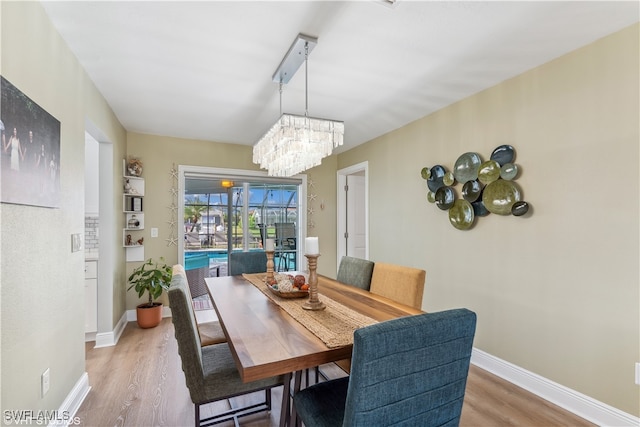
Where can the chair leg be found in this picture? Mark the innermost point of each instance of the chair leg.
(267, 398)
(197, 411)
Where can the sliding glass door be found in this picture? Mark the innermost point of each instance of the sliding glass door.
(224, 211)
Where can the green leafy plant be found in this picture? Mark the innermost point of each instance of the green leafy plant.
(151, 277)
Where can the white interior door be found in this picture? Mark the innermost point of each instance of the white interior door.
(353, 212)
(356, 233)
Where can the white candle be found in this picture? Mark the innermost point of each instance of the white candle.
(311, 246)
(269, 245)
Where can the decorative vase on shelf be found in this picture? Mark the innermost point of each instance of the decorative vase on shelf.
(133, 222)
(134, 167)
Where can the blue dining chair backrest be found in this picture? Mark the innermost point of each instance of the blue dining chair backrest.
(355, 272)
(247, 262)
(410, 371)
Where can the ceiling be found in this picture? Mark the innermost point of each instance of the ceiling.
(203, 69)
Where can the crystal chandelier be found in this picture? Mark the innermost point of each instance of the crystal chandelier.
(296, 143)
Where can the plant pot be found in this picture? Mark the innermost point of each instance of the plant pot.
(149, 317)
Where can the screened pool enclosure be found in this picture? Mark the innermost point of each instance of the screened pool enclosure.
(224, 214)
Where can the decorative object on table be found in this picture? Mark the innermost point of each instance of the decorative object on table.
(150, 278)
(134, 166)
(289, 286)
(487, 187)
(23, 125)
(312, 252)
(296, 143)
(269, 248)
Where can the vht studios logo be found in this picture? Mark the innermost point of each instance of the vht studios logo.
(41, 418)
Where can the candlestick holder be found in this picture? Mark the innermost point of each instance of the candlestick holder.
(313, 303)
(270, 277)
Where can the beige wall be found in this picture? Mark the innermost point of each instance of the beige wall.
(160, 154)
(42, 282)
(556, 293)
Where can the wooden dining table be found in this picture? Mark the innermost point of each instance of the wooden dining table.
(267, 341)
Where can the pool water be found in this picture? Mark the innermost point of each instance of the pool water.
(215, 255)
(197, 259)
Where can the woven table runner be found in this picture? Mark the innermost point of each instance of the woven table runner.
(334, 325)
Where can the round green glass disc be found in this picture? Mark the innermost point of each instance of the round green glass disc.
(466, 167)
(499, 196)
(425, 173)
(508, 171)
(448, 178)
(461, 214)
(489, 171)
(431, 197)
(445, 197)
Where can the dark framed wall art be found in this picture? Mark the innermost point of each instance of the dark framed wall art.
(30, 152)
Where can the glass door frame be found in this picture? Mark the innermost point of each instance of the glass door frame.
(242, 174)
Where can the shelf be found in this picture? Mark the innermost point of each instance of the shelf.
(133, 209)
(132, 203)
(135, 253)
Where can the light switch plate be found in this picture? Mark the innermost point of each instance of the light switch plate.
(45, 382)
(154, 232)
(76, 242)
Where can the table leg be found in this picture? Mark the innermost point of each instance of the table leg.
(285, 410)
(296, 388)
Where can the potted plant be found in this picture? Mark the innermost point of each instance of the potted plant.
(153, 278)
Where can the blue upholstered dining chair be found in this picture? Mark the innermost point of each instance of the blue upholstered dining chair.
(355, 272)
(247, 262)
(410, 371)
(210, 372)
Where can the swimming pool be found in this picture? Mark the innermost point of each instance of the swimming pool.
(197, 258)
(215, 255)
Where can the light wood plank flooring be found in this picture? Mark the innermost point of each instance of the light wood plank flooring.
(139, 382)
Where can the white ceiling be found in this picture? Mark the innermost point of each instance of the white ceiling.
(203, 69)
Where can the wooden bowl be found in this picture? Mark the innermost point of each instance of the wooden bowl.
(293, 294)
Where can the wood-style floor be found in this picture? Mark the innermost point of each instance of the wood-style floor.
(139, 382)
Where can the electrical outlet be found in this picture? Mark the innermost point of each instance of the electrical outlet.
(638, 373)
(45, 382)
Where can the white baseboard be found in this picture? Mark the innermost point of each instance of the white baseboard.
(72, 403)
(107, 339)
(582, 405)
(89, 336)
